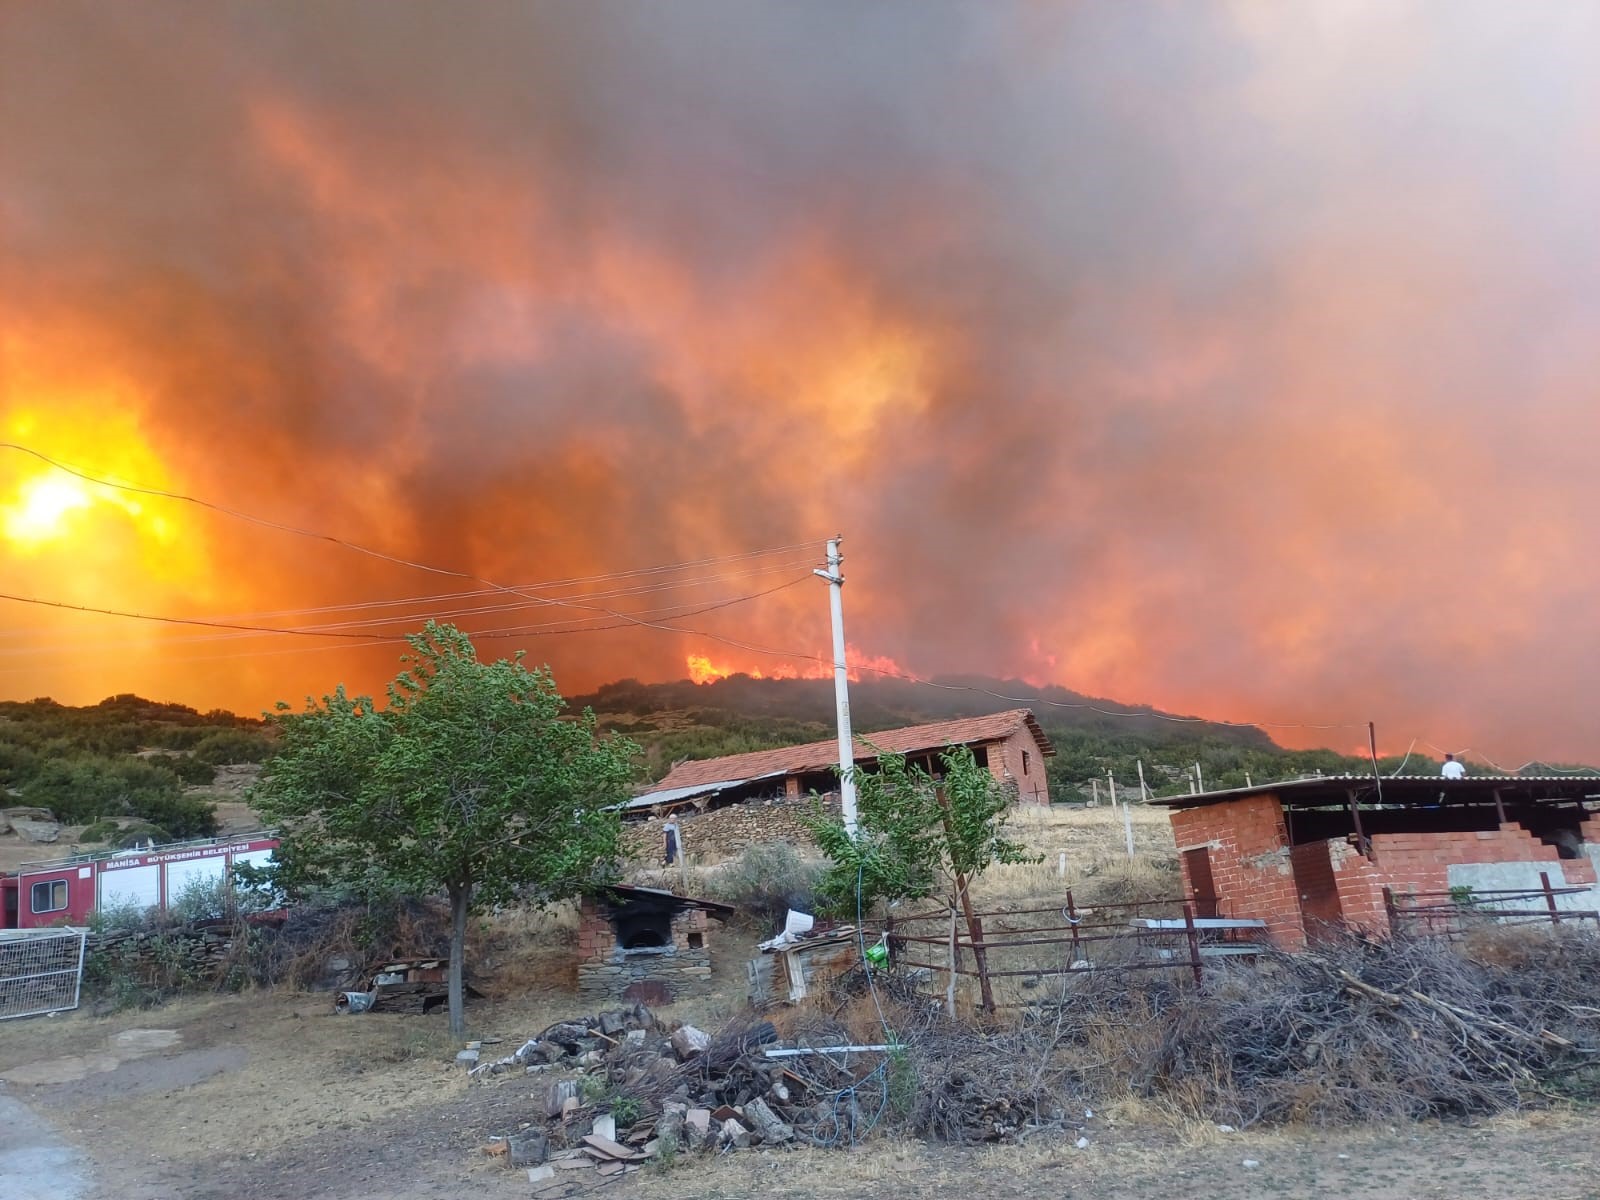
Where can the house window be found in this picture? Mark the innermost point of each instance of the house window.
(49, 896)
(1024, 762)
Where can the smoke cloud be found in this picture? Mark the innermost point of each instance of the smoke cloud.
(1235, 358)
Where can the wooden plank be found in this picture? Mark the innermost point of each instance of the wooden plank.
(610, 1149)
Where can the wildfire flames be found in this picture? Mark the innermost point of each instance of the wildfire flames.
(1177, 369)
(702, 668)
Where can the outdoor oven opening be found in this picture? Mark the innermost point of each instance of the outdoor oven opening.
(643, 930)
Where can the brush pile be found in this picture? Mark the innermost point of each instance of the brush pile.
(624, 1088)
(1353, 1033)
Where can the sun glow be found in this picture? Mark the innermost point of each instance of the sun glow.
(72, 531)
(42, 508)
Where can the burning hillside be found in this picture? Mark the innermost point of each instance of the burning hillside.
(1126, 350)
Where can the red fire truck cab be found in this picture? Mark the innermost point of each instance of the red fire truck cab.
(67, 891)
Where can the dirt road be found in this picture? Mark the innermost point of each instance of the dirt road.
(36, 1163)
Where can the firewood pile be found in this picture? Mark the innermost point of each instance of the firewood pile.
(407, 985)
(625, 1089)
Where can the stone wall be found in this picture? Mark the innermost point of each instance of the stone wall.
(650, 974)
(721, 833)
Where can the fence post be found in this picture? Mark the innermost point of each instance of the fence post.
(888, 938)
(1391, 910)
(1549, 897)
(1072, 920)
(980, 955)
(1194, 939)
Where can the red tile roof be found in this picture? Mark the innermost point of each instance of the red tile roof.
(820, 756)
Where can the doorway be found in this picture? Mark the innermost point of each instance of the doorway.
(1202, 888)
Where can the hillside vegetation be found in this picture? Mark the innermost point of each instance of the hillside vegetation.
(125, 757)
(128, 757)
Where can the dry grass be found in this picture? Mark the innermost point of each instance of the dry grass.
(1097, 866)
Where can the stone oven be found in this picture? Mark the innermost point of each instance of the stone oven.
(644, 944)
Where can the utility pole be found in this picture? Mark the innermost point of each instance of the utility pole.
(841, 686)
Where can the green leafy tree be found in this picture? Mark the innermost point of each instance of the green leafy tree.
(471, 781)
(920, 835)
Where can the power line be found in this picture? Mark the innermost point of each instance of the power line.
(349, 545)
(394, 618)
(369, 637)
(671, 585)
(625, 618)
(266, 523)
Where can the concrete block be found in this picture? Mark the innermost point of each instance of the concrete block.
(528, 1149)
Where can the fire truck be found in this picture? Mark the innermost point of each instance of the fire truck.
(67, 891)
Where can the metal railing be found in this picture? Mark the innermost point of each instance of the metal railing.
(41, 970)
(1066, 939)
(1451, 913)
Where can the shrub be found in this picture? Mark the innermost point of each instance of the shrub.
(84, 789)
(192, 771)
(101, 831)
(230, 746)
(768, 879)
(180, 816)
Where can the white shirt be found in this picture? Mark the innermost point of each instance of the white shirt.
(1453, 770)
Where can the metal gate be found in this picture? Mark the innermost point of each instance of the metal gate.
(41, 970)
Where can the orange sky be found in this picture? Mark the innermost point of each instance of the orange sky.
(1237, 359)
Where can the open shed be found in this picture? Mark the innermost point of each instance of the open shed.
(1312, 857)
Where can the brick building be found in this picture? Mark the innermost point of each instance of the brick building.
(1312, 857)
(1011, 744)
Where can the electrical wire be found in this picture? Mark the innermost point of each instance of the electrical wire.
(37, 648)
(1404, 760)
(625, 618)
(368, 637)
(675, 585)
(143, 490)
(354, 546)
(1583, 771)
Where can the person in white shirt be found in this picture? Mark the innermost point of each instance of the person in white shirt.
(1452, 769)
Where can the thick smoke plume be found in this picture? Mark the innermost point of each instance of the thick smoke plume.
(1238, 359)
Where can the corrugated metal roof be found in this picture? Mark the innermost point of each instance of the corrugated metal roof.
(668, 795)
(812, 757)
(1398, 787)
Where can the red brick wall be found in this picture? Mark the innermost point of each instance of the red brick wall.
(1360, 886)
(1250, 862)
(1420, 862)
(597, 937)
(1005, 759)
(1257, 875)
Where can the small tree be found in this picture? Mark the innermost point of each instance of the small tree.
(919, 836)
(471, 781)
